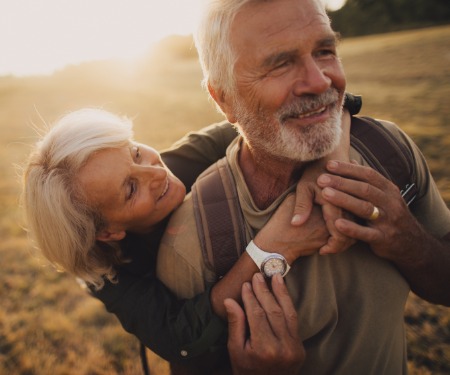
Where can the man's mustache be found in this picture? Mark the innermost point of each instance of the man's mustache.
(307, 103)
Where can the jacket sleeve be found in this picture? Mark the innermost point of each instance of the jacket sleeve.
(196, 151)
(176, 330)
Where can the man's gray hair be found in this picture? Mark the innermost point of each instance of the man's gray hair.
(212, 40)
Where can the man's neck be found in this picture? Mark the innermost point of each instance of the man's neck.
(267, 178)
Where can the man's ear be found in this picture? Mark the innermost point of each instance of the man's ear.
(107, 236)
(223, 102)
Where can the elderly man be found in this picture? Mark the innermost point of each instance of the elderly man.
(273, 70)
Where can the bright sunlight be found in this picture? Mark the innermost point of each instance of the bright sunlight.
(38, 37)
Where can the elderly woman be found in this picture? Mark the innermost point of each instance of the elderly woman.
(95, 200)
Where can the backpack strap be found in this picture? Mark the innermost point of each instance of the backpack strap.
(219, 219)
(220, 223)
(385, 153)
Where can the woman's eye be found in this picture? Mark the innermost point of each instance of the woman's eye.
(132, 189)
(137, 153)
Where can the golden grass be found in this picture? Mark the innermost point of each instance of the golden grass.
(49, 325)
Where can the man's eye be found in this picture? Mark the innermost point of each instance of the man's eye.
(326, 52)
(282, 64)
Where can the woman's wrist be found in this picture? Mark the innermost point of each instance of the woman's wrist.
(274, 247)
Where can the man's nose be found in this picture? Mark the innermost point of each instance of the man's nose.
(312, 78)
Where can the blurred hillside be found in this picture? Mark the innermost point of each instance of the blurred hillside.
(48, 325)
(364, 17)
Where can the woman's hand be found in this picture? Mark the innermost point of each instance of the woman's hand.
(309, 193)
(280, 236)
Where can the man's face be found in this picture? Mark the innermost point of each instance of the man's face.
(289, 81)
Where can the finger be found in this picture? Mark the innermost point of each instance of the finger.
(337, 242)
(358, 207)
(304, 198)
(256, 316)
(273, 311)
(359, 232)
(284, 300)
(360, 189)
(357, 172)
(236, 325)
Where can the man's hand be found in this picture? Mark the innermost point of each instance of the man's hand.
(359, 190)
(393, 233)
(272, 346)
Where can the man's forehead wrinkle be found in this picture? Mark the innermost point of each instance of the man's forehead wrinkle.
(272, 30)
(279, 52)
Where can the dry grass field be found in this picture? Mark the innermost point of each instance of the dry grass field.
(48, 325)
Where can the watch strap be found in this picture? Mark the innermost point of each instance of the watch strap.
(259, 256)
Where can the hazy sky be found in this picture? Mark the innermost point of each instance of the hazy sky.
(38, 36)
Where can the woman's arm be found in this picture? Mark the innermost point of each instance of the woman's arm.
(174, 329)
(196, 151)
(177, 329)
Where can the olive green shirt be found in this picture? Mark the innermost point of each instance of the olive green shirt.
(350, 306)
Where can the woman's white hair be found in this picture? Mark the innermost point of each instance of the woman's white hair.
(58, 219)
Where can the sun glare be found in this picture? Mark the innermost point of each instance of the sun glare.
(38, 37)
(334, 4)
(41, 36)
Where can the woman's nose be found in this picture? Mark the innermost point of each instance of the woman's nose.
(155, 176)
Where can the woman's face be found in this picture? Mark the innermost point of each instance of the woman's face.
(131, 187)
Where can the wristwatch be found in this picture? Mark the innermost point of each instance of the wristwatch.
(269, 263)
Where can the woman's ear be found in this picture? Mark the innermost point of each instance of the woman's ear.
(223, 102)
(108, 236)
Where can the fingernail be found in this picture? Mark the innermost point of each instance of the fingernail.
(278, 278)
(324, 179)
(248, 286)
(332, 165)
(260, 277)
(296, 219)
(328, 192)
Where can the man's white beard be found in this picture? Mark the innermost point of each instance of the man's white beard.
(270, 135)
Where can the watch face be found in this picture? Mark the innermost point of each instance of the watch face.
(273, 265)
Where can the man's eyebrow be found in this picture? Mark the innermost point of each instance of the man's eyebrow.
(277, 58)
(331, 40)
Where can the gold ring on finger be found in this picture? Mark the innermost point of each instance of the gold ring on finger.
(375, 213)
